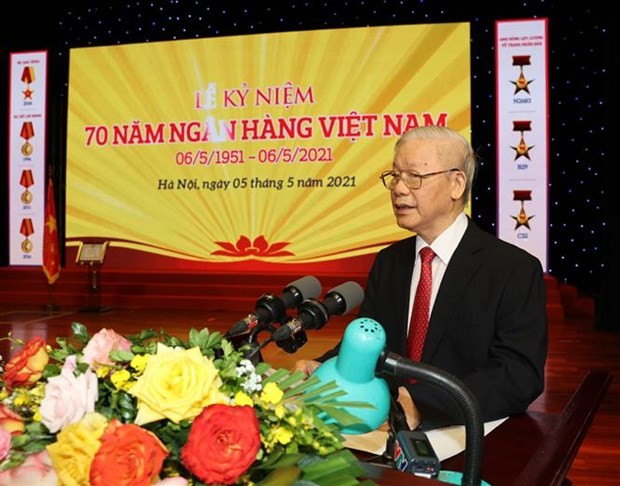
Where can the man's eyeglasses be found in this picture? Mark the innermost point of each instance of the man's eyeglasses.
(412, 180)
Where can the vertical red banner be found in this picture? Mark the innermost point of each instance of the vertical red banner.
(51, 245)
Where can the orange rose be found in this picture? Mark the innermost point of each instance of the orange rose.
(222, 443)
(10, 421)
(129, 455)
(26, 366)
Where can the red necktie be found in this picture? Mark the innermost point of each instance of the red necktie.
(421, 306)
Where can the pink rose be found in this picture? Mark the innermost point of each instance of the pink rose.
(97, 351)
(5, 443)
(68, 397)
(36, 469)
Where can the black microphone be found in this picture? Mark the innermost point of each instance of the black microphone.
(400, 367)
(270, 308)
(313, 314)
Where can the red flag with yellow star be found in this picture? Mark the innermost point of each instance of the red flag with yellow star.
(51, 245)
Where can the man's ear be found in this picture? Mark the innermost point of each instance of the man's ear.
(459, 183)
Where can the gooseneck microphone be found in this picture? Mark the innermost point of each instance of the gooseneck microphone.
(362, 360)
(400, 367)
(312, 314)
(270, 308)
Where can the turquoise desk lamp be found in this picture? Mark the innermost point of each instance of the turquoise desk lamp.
(354, 372)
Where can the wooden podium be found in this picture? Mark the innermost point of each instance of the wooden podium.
(92, 254)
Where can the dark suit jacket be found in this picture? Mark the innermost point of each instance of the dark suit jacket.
(488, 324)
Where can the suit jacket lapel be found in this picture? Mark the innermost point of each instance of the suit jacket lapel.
(402, 280)
(462, 267)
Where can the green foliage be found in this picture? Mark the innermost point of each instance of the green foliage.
(297, 445)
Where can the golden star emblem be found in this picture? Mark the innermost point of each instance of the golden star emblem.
(522, 219)
(522, 84)
(522, 150)
(51, 224)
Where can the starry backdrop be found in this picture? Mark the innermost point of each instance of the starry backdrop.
(580, 82)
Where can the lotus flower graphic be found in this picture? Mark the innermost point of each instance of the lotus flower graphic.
(259, 247)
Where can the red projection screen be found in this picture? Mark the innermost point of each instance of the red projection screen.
(255, 152)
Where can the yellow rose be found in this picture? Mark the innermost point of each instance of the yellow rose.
(75, 447)
(177, 385)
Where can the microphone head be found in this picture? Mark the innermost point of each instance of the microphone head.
(344, 298)
(301, 289)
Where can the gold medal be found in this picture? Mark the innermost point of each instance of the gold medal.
(26, 246)
(27, 149)
(26, 197)
(27, 132)
(26, 180)
(26, 229)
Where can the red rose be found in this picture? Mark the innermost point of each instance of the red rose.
(26, 366)
(128, 455)
(222, 443)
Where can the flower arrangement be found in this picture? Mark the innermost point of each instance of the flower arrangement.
(155, 409)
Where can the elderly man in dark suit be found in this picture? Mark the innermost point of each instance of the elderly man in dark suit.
(487, 321)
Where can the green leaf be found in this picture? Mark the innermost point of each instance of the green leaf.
(51, 370)
(291, 379)
(278, 460)
(175, 342)
(121, 356)
(340, 415)
(281, 477)
(301, 388)
(79, 331)
(194, 338)
(320, 390)
(36, 446)
(147, 334)
(81, 368)
(276, 376)
(262, 368)
(213, 340)
(338, 469)
(227, 346)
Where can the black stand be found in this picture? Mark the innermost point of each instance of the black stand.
(94, 290)
(51, 307)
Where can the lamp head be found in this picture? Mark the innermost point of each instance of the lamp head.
(353, 369)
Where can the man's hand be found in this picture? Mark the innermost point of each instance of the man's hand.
(411, 412)
(306, 365)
